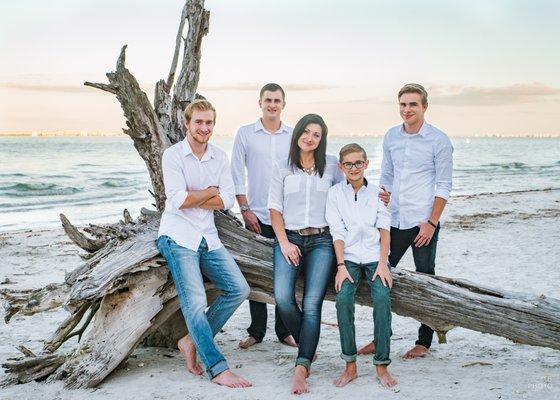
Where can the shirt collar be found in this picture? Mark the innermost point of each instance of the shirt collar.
(186, 150)
(422, 132)
(260, 127)
(365, 182)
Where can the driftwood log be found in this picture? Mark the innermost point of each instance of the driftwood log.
(122, 295)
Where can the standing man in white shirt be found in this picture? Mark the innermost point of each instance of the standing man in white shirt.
(256, 148)
(198, 181)
(417, 171)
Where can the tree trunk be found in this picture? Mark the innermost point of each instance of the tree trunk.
(124, 295)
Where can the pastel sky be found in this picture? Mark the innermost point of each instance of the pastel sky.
(490, 66)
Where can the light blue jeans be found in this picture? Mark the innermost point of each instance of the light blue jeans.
(187, 268)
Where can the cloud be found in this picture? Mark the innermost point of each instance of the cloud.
(255, 87)
(33, 87)
(79, 88)
(497, 96)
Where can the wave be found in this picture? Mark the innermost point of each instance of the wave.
(119, 183)
(514, 165)
(15, 174)
(37, 189)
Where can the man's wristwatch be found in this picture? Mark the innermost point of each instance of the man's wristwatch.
(244, 207)
(431, 223)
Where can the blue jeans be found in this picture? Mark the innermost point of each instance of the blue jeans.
(187, 267)
(317, 265)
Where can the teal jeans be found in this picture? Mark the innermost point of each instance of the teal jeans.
(345, 305)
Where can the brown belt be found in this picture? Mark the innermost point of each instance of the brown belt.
(309, 231)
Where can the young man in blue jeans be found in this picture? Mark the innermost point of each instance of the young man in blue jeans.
(198, 181)
(360, 224)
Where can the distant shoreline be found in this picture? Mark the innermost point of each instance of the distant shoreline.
(78, 134)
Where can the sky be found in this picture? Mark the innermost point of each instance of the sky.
(490, 67)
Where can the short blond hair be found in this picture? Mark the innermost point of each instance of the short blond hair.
(198, 105)
(414, 88)
(351, 148)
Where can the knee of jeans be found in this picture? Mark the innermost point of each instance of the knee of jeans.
(382, 297)
(283, 300)
(312, 305)
(244, 290)
(196, 305)
(344, 302)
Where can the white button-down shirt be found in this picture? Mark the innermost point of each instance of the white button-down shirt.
(415, 169)
(183, 171)
(355, 218)
(300, 197)
(255, 150)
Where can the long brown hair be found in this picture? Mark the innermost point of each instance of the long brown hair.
(320, 153)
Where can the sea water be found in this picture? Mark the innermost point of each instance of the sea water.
(92, 179)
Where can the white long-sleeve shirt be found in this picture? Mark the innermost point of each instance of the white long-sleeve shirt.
(183, 171)
(300, 197)
(416, 168)
(355, 218)
(255, 150)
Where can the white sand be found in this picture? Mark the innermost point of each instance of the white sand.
(508, 241)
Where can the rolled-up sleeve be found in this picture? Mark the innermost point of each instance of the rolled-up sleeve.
(226, 186)
(238, 163)
(276, 191)
(383, 216)
(173, 179)
(387, 172)
(334, 219)
(444, 168)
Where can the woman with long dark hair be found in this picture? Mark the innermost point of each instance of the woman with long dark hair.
(297, 201)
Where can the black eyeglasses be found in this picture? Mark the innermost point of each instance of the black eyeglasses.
(358, 164)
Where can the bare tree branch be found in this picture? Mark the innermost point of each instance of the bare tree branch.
(102, 86)
(171, 76)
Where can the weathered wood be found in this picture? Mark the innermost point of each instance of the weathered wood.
(79, 238)
(32, 301)
(64, 330)
(29, 369)
(178, 39)
(187, 82)
(110, 340)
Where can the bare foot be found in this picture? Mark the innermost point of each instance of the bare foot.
(229, 379)
(299, 383)
(289, 341)
(349, 374)
(385, 378)
(367, 349)
(250, 341)
(416, 352)
(186, 346)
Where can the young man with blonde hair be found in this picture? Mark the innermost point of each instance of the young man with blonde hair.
(417, 172)
(359, 223)
(198, 181)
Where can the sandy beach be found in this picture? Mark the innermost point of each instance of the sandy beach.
(506, 240)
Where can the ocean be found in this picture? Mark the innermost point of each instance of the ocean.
(92, 179)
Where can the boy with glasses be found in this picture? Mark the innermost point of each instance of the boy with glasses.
(360, 225)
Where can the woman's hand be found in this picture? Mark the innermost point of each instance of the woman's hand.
(382, 271)
(290, 252)
(341, 276)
